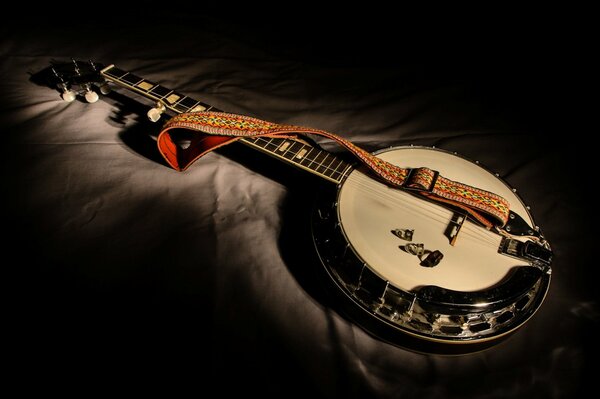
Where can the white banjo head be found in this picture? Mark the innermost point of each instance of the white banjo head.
(370, 211)
(475, 293)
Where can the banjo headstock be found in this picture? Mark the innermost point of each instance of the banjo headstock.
(76, 78)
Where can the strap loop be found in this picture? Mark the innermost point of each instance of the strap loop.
(421, 180)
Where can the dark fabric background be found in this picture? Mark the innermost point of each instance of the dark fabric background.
(124, 275)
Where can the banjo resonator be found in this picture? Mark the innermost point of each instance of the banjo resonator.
(476, 288)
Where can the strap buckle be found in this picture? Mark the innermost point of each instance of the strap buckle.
(408, 181)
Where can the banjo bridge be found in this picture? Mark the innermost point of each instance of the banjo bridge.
(528, 250)
(457, 221)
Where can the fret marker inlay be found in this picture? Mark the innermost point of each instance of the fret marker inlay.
(284, 146)
(145, 85)
(198, 108)
(301, 153)
(172, 98)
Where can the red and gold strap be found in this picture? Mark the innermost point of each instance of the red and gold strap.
(224, 128)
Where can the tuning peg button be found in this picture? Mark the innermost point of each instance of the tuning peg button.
(68, 95)
(155, 113)
(91, 96)
(105, 88)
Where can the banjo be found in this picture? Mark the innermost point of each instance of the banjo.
(402, 262)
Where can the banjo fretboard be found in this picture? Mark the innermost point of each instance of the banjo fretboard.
(295, 152)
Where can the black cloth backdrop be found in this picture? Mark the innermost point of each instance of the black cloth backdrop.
(132, 276)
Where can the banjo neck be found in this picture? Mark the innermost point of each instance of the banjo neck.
(294, 152)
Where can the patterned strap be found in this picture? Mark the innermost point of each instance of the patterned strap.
(223, 128)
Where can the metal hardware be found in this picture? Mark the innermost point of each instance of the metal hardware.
(517, 226)
(432, 259)
(429, 189)
(454, 227)
(414, 249)
(405, 234)
(529, 251)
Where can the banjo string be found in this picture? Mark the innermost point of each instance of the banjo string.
(423, 208)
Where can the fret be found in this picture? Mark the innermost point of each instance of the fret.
(300, 151)
(257, 141)
(303, 151)
(178, 106)
(318, 160)
(330, 170)
(342, 169)
(252, 140)
(309, 157)
(293, 150)
(114, 72)
(188, 102)
(347, 168)
(314, 159)
(131, 79)
(332, 167)
(325, 164)
(160, 91)
(284, 147)
(269, 145)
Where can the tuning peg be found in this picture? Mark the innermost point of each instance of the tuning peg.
(155, 113)
(67, 95)
(90, 95)
(76, 67)
(104, 88)
(103, 85)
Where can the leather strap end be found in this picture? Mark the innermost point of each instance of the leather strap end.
(180, 158)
